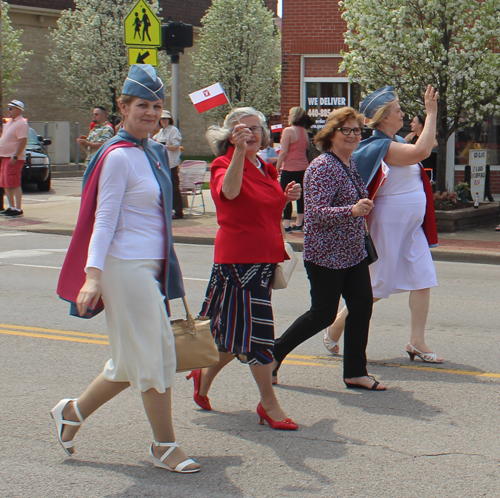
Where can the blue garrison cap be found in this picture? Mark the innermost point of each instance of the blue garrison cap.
(376, 100)
(143, 82)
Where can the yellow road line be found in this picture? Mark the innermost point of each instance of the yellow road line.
(445, 370)
(309, 364)
(292, 359)
(52, 331)
(398, 365)
(54, 337)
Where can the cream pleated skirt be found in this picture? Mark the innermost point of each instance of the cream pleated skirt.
(140, 336)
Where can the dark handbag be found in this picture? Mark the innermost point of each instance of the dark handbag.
(369, 245)
(312, 151)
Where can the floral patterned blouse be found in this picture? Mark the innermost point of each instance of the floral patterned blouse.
(333, 237)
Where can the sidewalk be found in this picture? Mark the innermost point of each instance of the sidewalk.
(56, 213)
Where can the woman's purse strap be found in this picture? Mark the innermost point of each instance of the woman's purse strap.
(189, 317)
(352, 181)
(347, 173)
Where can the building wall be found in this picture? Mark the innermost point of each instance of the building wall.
(36, 17)
(308, 28)
(40, 96)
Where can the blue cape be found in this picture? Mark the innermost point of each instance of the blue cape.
(370, 152)
(73, 272)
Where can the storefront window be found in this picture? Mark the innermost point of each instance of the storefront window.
(323, 97)
(485, 135)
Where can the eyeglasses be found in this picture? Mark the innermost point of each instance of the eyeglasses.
(256, 130)
(9, 108)
(347, 131)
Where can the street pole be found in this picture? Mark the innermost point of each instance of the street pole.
(1, 83)
(174, 59)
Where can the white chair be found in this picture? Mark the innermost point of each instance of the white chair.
(192, 178)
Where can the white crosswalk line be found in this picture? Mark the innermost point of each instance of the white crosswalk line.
(29, 253)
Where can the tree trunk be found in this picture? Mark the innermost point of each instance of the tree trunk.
(441, 165)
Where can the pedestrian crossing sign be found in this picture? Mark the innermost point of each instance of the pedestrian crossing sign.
(146, 55)
(142, 27)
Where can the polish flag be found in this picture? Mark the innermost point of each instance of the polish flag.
(277, 127)
(208, 98)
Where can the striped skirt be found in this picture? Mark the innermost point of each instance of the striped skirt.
(238, 301)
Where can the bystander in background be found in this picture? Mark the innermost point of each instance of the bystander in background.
(12, 156)
(171, 138)
(101, 132)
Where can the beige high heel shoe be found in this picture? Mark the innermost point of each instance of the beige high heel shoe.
(332, 346)
(426, 357)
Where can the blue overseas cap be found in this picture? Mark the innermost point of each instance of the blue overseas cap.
(376, 100)
(143, 82)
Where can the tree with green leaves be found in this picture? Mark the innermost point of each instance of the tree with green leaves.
(453, 45)
(239, 47)
(13, 56)
(89, 57)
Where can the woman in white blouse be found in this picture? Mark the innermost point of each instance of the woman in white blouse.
(132, 265)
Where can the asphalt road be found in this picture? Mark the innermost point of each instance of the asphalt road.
(434, 433)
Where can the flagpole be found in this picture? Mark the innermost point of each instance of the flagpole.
(232, 108)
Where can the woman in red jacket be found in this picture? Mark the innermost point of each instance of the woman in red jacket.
(238, 298)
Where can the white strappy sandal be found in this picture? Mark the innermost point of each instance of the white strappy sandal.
(426, 357)
(329, 344)
(159, 462)
(56, 414)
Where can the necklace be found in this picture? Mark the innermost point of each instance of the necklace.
(256, 163)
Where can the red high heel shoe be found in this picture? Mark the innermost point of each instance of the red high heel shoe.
(286, 425)
(201, 401)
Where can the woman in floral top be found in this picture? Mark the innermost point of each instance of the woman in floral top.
(334, 248)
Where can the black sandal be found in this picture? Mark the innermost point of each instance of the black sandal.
(360, 386)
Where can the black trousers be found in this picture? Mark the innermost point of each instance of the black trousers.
(176, 187)
(327, 285)
(1, 199)
(286, 178)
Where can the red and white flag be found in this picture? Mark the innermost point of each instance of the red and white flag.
(378, 180)
(276, 127)
(208, 98)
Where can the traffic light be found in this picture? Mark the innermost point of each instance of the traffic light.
(175, 37)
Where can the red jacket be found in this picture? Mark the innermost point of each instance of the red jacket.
(250, 224)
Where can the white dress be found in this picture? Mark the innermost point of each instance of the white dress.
(405, 261)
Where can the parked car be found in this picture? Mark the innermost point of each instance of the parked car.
(36, 168)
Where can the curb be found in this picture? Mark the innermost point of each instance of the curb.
(449, 255)
(477, 257)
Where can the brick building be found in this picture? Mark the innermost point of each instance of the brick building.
(35, 17)
(312, 34)
(311, 46)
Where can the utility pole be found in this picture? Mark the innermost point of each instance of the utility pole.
(1, 84)
(175, 37)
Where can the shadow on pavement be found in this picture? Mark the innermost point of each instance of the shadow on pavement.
(316, 442)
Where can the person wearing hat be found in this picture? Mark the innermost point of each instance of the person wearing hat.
(12, 157)
(100, 133)
(122, 255)
(402, 222)
(171, 138)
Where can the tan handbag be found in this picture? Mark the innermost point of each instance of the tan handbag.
(194, 345)
(285, 269)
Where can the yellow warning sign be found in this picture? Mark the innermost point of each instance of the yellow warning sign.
(146, 55)
(142, 27)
